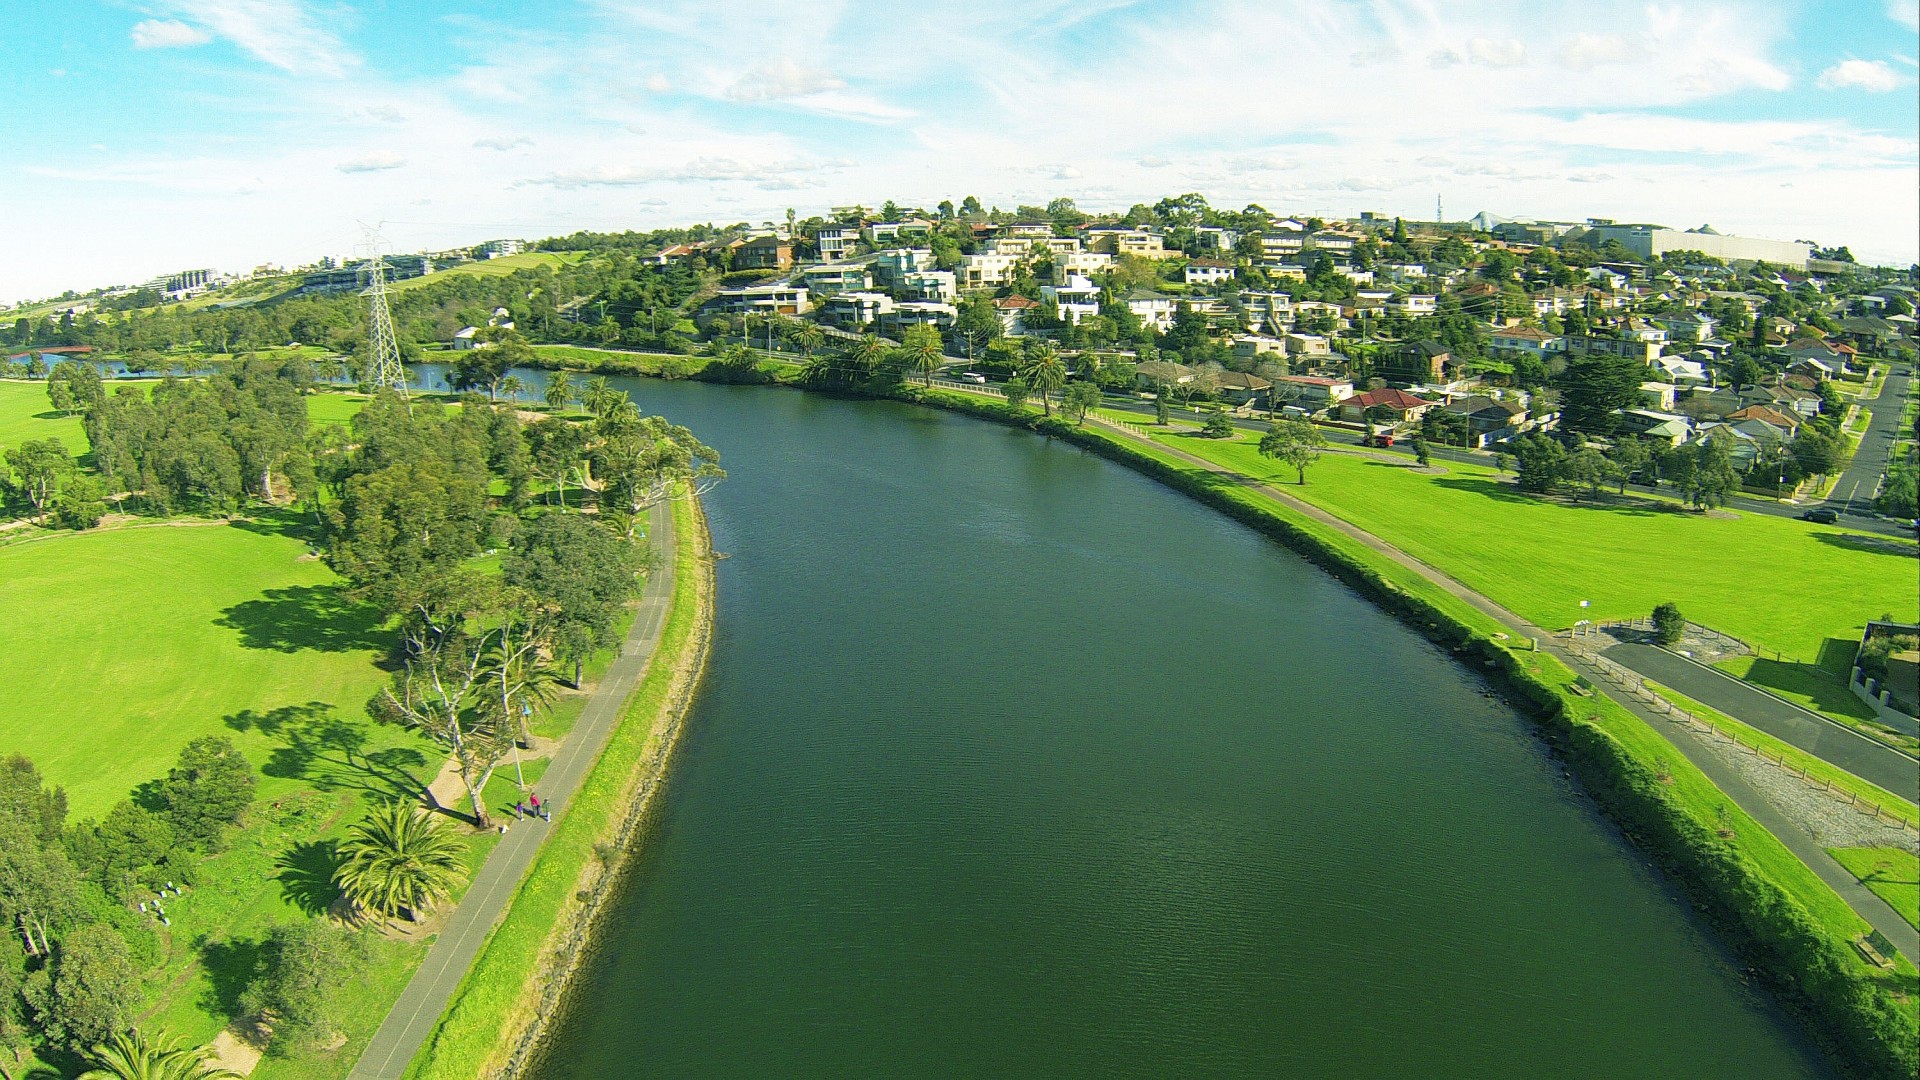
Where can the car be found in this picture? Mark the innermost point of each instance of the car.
(1821, 515)
(1382, 439)
(974, 377)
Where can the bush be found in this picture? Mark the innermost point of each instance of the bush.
(1873, 654)
(297, 991)
(1218, 426)
(1669, 625)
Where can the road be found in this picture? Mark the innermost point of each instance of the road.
(419, 1006)
(1853, 493)
(1873, 762)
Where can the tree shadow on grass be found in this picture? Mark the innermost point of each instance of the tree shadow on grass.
(231, 967)
(330, 753)
(306, 876)
(1871, 545)
(301, 617)
(1608, 501)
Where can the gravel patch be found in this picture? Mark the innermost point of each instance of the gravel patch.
(1829, 820)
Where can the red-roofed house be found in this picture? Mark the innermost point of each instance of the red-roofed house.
(1398, 405)
(1011, 309)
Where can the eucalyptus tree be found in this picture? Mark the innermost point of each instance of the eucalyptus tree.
(642, 460)
(1296, 442)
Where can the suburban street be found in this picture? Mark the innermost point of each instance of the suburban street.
(1853, 493)
(421, 1004)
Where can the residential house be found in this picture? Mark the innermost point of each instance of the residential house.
(1681, 370)
(1317, 391)
(1278, 271)
(1011, 310)
(1282, 245)
(1075, 300)
(1668, 428)
(908, 313)
(1402, 271)
(892, 232)
(1526, 339)
(987, 271)
(1658, 395)
(1207, 272)
(1121, 240)
(1084, 263)
(1270, 312)
(935, 286)
(1307, 345)
(1769, 415)
(1215, 238)
(1255, 346)
(1035, 229)
(777, 299)
(1240, 388)
(1413, 305)
(1152, 309)
(766, 252)
(1390, 405)
(1812, 366)
(672, 254)
(1743, 449)
(1417, 361)
(1489, 420)
(826, 279)
(1630, 348)
(857, 310)
(835, 242)
(1156, 373)
(892, 266)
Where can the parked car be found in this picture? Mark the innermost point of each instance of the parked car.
(974, 377)
(1381, 439)
(1821, 515)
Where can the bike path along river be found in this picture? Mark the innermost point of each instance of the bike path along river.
(1010, 760)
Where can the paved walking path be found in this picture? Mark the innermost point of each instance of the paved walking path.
(418, 1009)
(1870, 907)
(1872, 761)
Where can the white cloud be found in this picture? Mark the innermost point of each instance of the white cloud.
(1154, 162)
(659, 83)
(1505, 53)
(502, 142)
(697, 171)
(774, 80)
(1444, 58)
(283, 33)
(1588, 51)
(1873, 76)
(377, 161)
(1905, 12)
(167, 34)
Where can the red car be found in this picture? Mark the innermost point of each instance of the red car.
(1382, 439)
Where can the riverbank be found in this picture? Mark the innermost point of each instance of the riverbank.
(1787, 923)
(495, 1017)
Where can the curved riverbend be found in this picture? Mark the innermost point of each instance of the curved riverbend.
(1012, 761)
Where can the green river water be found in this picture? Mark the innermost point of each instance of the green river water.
(1011, 762)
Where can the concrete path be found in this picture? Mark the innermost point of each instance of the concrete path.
(1872, 761)
(418, 1009)
(1870, 907)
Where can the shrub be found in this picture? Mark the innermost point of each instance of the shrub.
(1669, 625)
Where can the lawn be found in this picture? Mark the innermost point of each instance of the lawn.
(25, 414)
(141, 639)
(1779, 584)
(1892, 873)
(500, 267)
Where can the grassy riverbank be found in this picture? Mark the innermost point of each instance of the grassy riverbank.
(1892, 873)
(497, 1000)
(1787, 922)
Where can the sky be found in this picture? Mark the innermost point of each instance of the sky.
(147, 136)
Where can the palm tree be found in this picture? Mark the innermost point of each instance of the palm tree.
(600, 397)
(1045, 372)
(559, 390)
(398, 859)
(806, 337)
(925, 354)
(132, 1056)
(510, 387)
(866, 354)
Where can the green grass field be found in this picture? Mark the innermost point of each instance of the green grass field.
(500, 267)
(1776, 583)
(25, 414)
(1892, 873)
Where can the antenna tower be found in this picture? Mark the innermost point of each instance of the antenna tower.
(386, 369)
(1439, 210)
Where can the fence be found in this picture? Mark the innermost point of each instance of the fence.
(1722, 642)
(1634, 684)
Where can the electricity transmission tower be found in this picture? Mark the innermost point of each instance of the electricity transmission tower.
(385, 348)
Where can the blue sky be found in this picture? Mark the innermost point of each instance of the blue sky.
(146, 136)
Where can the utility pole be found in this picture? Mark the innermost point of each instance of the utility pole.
(1439, 210)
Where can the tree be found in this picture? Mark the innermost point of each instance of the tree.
(88, 992)
(806, 337)
(1296, 442)
(1079, 397)
(298, 989)
(1422, 452)
(1162, 408)
(398, 860)
(1591, 469)
(1745, 371)
(1217, 425)
(39, 466)
(556, 447)
(206, 791)
(1629, 456)
(82, 502)
(1016, 391)
(1594, 389)
(1818, 454)
(583, 571)
(1669, 625)
(867, 354)
(131, 1055)
(1899, 494)
(923, 350)
(559, 391)
(1703, 471)
(1045, 371)
(1541, 463)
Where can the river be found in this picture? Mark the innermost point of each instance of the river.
(1010, 761)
